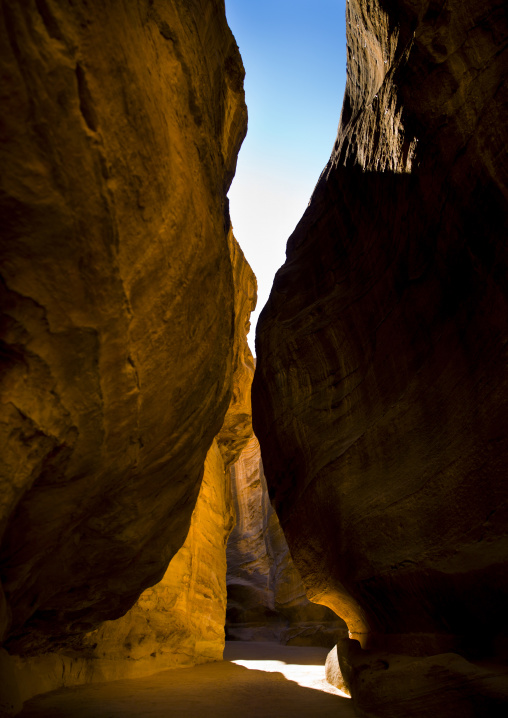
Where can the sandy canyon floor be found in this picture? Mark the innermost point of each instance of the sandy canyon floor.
(254, 679)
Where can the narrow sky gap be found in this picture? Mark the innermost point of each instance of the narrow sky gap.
(294, 53)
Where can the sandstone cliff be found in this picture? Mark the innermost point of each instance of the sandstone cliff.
(380, 396)
(179, 621)
(120, 130)
(266, 597)
(236, 430)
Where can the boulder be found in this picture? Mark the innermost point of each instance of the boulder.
(386, 685)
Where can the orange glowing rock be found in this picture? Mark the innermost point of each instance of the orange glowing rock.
(123, 295)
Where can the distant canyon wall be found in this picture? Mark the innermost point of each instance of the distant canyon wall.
(380, 394)
(266, 599)
(125, 303)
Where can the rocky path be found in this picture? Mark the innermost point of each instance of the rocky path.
(256, 680)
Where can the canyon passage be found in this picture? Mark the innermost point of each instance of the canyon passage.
(368, 517)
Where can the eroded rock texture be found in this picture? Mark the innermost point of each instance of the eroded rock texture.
(179, 621)
(385, 685)
(266, 597)
(236, 431)
(120, 130)
(380, 396)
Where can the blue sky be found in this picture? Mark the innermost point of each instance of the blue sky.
(294, 53)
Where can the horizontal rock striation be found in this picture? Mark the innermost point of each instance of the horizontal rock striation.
(120, 129)
(266, 597)
(380, 391)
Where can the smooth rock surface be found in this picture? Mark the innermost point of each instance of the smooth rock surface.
(266, 597)
(380, 394)
(121, 124)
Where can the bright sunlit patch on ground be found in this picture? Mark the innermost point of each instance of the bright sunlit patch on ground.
(306, 676)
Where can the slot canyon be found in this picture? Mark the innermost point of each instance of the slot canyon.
(174, 513)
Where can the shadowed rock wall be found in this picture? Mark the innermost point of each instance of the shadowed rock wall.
(380, 395)
(121, 124)
(266, 597)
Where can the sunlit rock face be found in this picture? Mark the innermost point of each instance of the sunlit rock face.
(266, 597)
(121, 126)
(380, 391)
(236, 430)
(179, 621)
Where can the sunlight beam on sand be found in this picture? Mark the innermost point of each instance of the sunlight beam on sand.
(306, 676)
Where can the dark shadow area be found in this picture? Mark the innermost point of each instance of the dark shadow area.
(215, 690)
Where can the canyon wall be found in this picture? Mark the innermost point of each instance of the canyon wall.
(380, 395)
(124, 302)
(180, 620)
(266, 599)
(177, 622)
